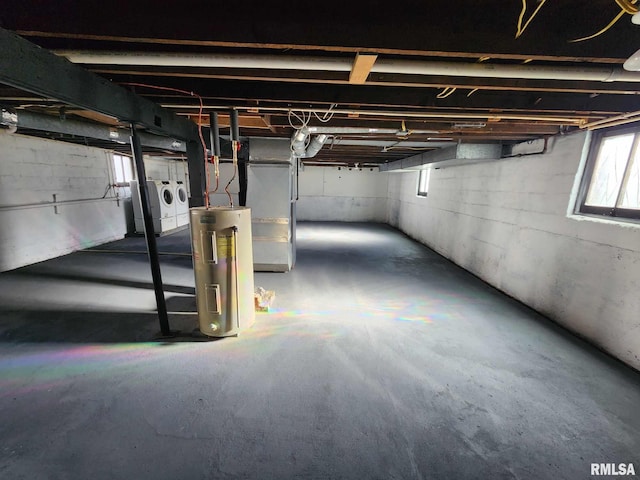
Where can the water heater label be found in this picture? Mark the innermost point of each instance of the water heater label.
(209, 219)
(226, 246)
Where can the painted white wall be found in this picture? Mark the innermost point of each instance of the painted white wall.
(32, 171)
(159, 168)
(329, 194)
(509, 222)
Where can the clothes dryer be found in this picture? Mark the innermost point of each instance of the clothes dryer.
(162, 202)
(182, 204)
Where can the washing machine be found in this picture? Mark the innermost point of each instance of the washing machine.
(182, 204)
(163, 209)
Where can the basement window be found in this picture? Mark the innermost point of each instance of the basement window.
(122, 169)
(423, 182)
(611, 183)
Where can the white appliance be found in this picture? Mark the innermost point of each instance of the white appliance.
(223, 267)
(271, 196)
(182, 204)
(163, 209)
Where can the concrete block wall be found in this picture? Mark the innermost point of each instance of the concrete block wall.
(159, 168)
(32, 228)
(510, 222)
(332, 194)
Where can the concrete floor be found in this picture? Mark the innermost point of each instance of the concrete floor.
(381, 360)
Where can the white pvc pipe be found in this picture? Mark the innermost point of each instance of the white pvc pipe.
(355, 130)
(487, 70)
(412, 67)
(208, 60)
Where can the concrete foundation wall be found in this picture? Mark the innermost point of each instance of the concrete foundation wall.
(32, 227)
(329, 194)
(158, 168)
(509, 222)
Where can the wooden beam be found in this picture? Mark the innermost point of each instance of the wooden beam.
(95, 116)
(240, 93)
(267, 120)
(361, 67)
(248, 121)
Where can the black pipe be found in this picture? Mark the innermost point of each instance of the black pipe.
(242, 179)
(152, 247)
(235, 129)
(214, 133)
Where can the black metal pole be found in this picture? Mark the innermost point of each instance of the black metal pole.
(197, 173)
(152, 248)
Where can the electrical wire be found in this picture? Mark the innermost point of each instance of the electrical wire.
(328, 114)
(304, 120)
(626, 6)
(472, 92)
(600, 32)
(520, 28)
(234, 146)
(446, 92)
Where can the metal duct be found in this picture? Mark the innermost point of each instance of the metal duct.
(459, 154)
(299, 142)
(302, 150)
(299, 145)
(412, 67)
(9, 120)
(315, 146)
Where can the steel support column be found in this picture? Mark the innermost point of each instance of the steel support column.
(197, 174)
(149, 234)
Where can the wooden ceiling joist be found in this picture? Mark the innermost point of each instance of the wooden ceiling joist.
(362, 67)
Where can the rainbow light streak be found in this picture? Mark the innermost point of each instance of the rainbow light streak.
(335, 320)
(25, 373)
(80, 240)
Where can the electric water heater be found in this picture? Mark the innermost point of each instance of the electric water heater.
(223, 266)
